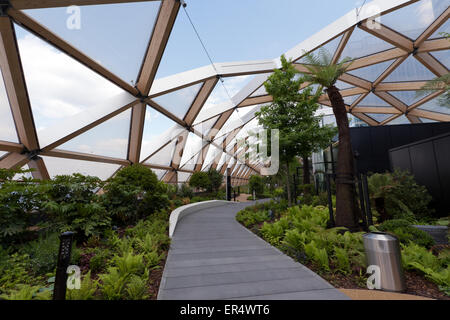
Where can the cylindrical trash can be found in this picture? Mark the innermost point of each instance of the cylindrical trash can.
(383, 251)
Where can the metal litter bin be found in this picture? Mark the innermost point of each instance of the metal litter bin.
(383, 250)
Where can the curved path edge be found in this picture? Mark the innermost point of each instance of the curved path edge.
(213, 257)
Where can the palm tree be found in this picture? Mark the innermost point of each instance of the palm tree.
(325, 73)
(439, 83)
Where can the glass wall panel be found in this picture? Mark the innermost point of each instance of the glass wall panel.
(64, 95)
(412, 20)
(107, 40)
(363, 44)
(179, 102)
(410, 70)
(371, 73)
(60, 166)
(107, 139)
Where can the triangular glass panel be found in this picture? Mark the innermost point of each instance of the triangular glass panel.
(261, 91)
(445, 28)
(179, 102)
(159, 173)
(400, 120)
(415, 18)
(443, 57)
(436, 105)
(205, 127)
(363, 44)
(193, 146)
(233, 122)
(212, 153)
(108, 139)
(158, 130)
(330, 47)
(341, 85)
(373, 101)
(350, 99)
(379, 116)
(60, 166)
(164, 156)
(410, 70)
(425, 120)
(183, 177)
(407, 97)
(192, 55)
(64, 95)
(371, 73)
(235, 84)
(7, 127)
(222, 161)
(217, 102)
(106, 40)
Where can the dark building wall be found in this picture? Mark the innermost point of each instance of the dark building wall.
(423, 149)
(429, 161)
(372, 144)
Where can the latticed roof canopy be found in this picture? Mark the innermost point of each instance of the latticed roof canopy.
(178, 124)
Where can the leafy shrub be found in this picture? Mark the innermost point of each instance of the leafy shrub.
(416, 257)
(74, 206)
(397, 195)
(273, 232)
(134, 193)
(87, 289)
(200, 179)
(405, 232)
(215, 180)
(185, 191)
(256, 184)
(137, 288)
(43, 253)
(19, 202)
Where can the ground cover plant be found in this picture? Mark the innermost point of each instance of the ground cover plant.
(121, 232)
(338, 254)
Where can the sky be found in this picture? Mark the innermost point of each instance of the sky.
(116, 36)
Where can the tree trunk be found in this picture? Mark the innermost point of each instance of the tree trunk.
(306, 176)
(288, 185)
(346, 206)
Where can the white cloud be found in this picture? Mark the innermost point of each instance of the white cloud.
(59, 87)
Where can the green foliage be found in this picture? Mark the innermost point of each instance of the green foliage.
(73, 205)
(87, 289)
(256, 184)
(200, 180)
(342, 261)
(43, 253)
(250, 218)
(185, 191)
(112, 284)
(134, 193)
(293, 113)
(137, 288)
(406, 233)
(437, 269)
(321, 69)
(272, 232)
(19, 202)
(403, 197)
(215, 180)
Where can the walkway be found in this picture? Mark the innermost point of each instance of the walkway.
(213, 257)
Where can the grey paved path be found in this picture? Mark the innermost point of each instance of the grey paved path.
(213, 257)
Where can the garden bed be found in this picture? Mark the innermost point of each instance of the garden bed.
(338, 255)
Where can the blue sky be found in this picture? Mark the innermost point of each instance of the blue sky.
(234, 30)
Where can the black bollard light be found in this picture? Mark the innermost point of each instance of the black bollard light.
(65, 250)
